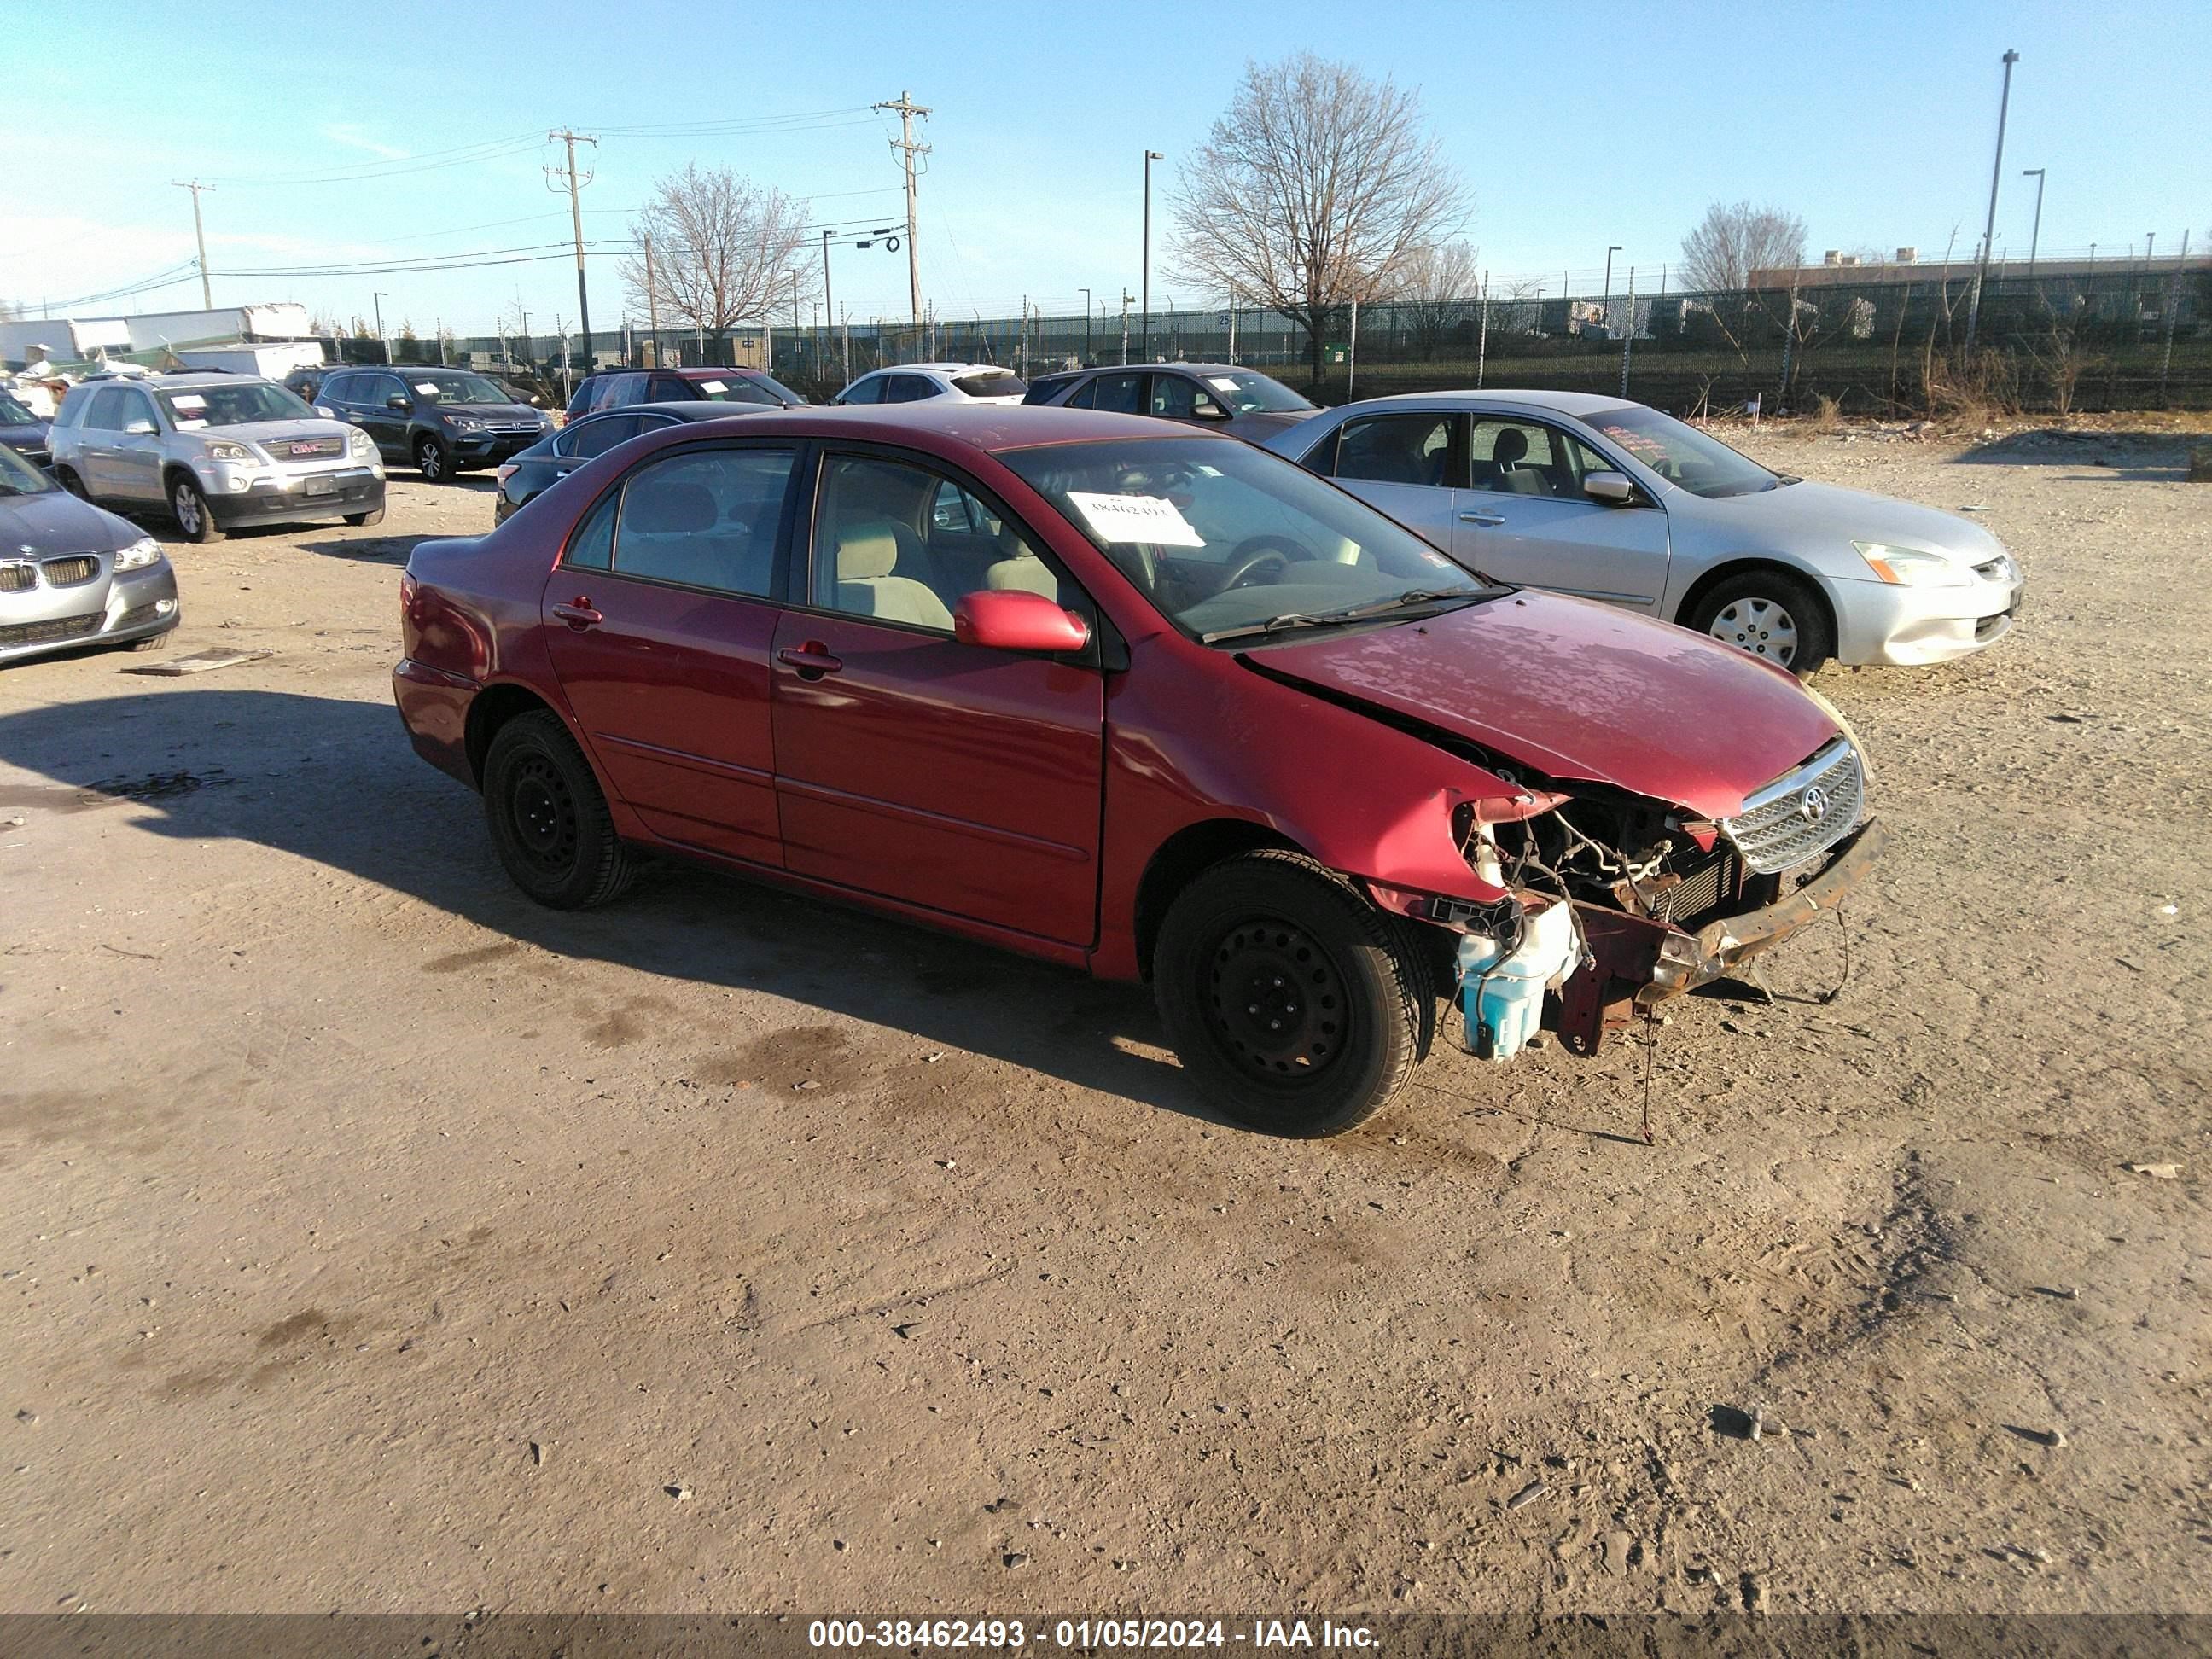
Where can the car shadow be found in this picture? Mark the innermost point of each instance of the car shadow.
(2136, 456)
(335, 781)
(368, 549)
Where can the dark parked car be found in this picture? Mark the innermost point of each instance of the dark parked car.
(24, 432)
(553, 458)
(74, 574)
(1238, 401)
(440, 421)
(618, 388)
(1136, 699)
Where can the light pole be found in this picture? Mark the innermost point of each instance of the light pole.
(1609, 253)
(829, 306)
(1989, 225)
(1144, 338)
(2035, 235)
(1086, 327)
(377, 300)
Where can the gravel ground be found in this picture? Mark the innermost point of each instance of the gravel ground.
(370, 1239)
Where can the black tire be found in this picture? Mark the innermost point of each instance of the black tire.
(548, 821)
(375, 517)
(66, 477)
(433, 459)
(1744, 610)
(153, 641)
(188, 506)
(1297, 1007)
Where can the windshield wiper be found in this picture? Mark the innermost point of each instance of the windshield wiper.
(1350, 614)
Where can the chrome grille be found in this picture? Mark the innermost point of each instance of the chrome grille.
(1802, 813)
(300, 449)
(17, 578)
(67, 573)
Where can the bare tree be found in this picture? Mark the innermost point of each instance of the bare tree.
(1435, 288)
(1313, 190)
(1733, 242)
(723, 250)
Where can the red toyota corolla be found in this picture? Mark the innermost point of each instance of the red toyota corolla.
(1139, 698)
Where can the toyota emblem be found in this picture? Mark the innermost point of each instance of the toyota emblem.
(1813, 804)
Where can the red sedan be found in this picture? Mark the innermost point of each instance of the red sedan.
(1138, 698)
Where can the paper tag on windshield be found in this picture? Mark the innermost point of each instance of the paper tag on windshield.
(1221, 383)
(183, 425)
(188, 400)
(428, 388)
(714, 385)
(1151, 518)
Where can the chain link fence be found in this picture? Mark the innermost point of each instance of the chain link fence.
(1913, 343)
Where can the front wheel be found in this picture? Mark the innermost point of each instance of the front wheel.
(548, 821)
(68, 480)
(1770, 614)
(432, 461)
(189, 506)
(1297, 1007)
(374, 516)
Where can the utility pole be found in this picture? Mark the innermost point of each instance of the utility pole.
(199, 235)
(377, 300)
(1086, 328)
(906, 109)
(829, 300)
(652, 302)
(1609, 253)
(2035, 235)
(553, 182)
(1989, 225)
(1144, 281)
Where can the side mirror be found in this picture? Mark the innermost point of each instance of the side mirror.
(1015, 619)
(1611, 487)
(326, 411)
(398, 400)
(141, 428)
(1210, 411)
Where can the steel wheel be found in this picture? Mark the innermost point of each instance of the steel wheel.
(543, 813)
(1759, 625)
(1276, 1002)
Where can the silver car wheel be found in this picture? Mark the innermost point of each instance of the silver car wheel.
(184, 502)
(1761, 627)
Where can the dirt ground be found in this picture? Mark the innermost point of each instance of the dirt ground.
(371, 1239)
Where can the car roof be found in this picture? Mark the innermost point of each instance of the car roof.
(943, 369)
(991, 428)
(188, 378)
(687, 409)
(1560, 403)
(1196, 368)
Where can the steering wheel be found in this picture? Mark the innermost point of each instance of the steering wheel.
(1255, 553)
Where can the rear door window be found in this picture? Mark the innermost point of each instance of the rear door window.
(105, 412)
(595, 436)
(1411, 449)
(664, 389)
(910, 389)
(1124, 394)
(869, 389)
(705, 518)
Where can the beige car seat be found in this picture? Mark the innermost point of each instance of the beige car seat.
(869, 556)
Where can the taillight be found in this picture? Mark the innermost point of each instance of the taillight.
(505, 470)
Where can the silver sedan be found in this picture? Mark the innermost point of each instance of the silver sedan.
(1614, 501)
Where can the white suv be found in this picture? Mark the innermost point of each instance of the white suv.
(913, 383)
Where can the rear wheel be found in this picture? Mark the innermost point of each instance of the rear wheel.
(189, 506)
(71, 482)
(548, 821)
(432, 460)
(1297, 1007)
(1770, 614)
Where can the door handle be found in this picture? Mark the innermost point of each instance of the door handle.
(578, 614)
(1479, 518)
(811, 660)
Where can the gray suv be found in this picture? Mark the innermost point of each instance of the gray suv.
(439, 421)
(219, 451)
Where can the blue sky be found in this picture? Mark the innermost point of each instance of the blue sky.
(1573, 128)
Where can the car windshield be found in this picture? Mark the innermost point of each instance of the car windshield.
(193, 407)
(1230, 542)
(1251, 394)
(735, 390)
(19, 478)
(1681, 455)
(992, 383)
(450, 388)
(13, 414)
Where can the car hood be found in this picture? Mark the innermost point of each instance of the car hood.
(57, 522)
(262, 432)
(1580, 691)
(1265, 424)
(31, 436)
(1832, 512)
(493, 411)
